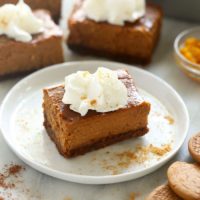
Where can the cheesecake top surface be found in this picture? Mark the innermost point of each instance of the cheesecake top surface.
(153, 12)
(56, 94)
(50, 29)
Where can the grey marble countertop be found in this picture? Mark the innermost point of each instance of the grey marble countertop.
(35, 186)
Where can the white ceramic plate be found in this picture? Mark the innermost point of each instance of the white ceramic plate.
(21, 120)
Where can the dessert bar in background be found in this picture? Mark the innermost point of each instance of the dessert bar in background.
(76, 131)
(128, 40)
(34, 43)
(54, 6)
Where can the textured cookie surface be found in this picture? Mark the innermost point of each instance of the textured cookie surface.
(163, 192)
(184, 180)
(194, 147)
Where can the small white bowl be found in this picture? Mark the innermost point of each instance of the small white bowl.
(191, 69)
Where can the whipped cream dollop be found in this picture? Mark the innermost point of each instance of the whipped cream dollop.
(18, 22)
(101, 91)
(114, 11)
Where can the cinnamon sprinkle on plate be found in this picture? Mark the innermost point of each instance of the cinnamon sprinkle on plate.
(169, 119)
(123, 160)
(160, 151)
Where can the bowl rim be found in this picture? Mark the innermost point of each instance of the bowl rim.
(176, 46)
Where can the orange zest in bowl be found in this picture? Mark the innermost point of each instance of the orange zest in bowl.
(191, 49)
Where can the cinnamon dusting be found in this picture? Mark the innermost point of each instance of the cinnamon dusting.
(160, 151)
(93, 102)
(83, 97)
(10, 171)
(169, 119)
(4, 23)
(125, 159)
(9, 178)
(15, 169)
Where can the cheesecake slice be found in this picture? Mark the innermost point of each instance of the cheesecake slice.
(43, 50)
(75, 135)
(134, 42)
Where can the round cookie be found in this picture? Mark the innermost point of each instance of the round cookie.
(163, 192)
(194, 147)
(184, 180)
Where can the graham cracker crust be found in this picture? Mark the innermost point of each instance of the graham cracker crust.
(80, 49)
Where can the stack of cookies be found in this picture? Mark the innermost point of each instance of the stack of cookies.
(183, 178)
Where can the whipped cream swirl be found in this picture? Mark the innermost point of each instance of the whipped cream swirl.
(115, 12)
(101, 91)
(18, 22)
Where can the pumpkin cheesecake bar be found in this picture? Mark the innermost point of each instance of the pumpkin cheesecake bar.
(132, 42)
(43, 49)
(75, 135)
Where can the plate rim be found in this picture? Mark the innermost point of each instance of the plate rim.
(87, 179)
